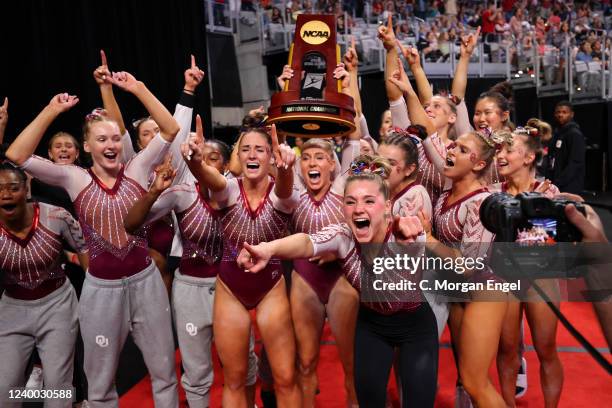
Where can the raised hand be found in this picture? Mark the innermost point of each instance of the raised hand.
(125, 81)
(62, 102)
(400, 79)
(284, 156)
(543, 187)
(425, 222)
(194, 147)
(253, 258)
(193, 76)
(164, 175)
(351, 62)
(258, 111)
(4, 112)
(411, 54)
(342, 74)
(102, 74)
(386, 34)
(407, 229)
(468, 43)
(285, 76)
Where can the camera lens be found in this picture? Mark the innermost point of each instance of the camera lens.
(492, 211)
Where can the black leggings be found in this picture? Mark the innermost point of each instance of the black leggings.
(415, 336)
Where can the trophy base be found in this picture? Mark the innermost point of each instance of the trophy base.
(311, 117)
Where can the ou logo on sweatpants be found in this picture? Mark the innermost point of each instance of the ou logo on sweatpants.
(192, 329)
(101, 341)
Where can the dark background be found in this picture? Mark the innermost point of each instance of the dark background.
(48, 47)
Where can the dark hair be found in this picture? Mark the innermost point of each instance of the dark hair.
(504, 88)
(6, 166)
(138, 123)
(254, 121)
(411, 154)
(567, 104)
(224, 149)
(500, 100)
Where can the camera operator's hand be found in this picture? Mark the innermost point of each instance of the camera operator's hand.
(590, 226)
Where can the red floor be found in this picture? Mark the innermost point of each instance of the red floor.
(586, 383)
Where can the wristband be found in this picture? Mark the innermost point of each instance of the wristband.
(186, 99)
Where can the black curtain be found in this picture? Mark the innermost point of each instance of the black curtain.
(49, 47)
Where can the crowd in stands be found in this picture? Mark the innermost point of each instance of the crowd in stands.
(549, 29)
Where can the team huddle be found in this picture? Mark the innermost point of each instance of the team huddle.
(233, 215)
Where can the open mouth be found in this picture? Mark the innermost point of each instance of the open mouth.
(8, 208)
(361, 223)
(252, 166)
(64, 157)
(449, 162)
(110, 155)
(502, 163)
(483, 126)
(314, 175)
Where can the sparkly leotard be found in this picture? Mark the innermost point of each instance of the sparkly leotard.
(241, 224)
(199, 227)
(31, 266)
(311, 216)
(503, 187)
(338, 239)
(113, 253)
(458, 225)
(413, 199)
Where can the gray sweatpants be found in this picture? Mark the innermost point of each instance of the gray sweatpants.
(49, 325)
(192, 304)
(108, 311)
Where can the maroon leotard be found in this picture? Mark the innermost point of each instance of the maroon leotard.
(199, 226)
(113, 253)
(309, 217)
(240, 224)
(338, 239)
(31, 266)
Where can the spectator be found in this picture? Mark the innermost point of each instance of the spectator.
(508, 8)
(566, 153)
(450, 7)
(488, 19)
(516, 23)
(585, 52)
(596, 53)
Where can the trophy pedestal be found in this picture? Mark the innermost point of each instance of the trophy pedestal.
(312, 104)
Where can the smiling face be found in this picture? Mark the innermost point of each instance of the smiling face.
(255, 155)
(464, 156)
(488, 114)
(399, 170)
(364, 210)
(146, 132)
(103, 142)
(13, 196)
(440, 112)
(515, 157)
(317, 167)
(63, 150)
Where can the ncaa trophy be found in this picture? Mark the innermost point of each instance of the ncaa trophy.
(311, 104)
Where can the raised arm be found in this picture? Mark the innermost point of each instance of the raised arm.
(192, 153)
(414, 62)
(284, 158)
(351, 64)
(168, 126)
(25, 144)
(417, 114)
(468, 45)
(102, 76)
(139, 213)
(183, 115)
(3, 118)
(387, 36)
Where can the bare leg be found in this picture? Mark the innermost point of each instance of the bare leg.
(478, 345)
(274, 321)
(308, 318)
(342, 311)
(231, 327)
(508, 362)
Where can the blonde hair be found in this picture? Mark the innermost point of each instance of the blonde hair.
(370, 168)
(323, 144)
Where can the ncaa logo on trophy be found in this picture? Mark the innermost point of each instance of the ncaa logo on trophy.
(311, 104)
